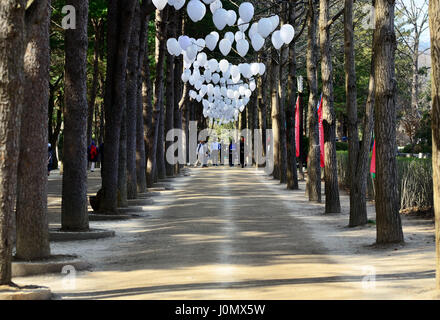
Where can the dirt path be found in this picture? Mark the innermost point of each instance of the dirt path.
(233, 234)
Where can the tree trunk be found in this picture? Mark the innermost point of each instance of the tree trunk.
(389, 227)
(122, 163)
(332, 203)
(292, 174)
(132, 90)
(31, 212)
(170, 99)
(97, 26)
(282, 92)
(120, 16)
(434, 24)
(356, 217)
(74, 215)
(313, 188)
(141, 160)
(275, 115)
(12, 47)
(158, 120)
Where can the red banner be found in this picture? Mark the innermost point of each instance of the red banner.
(297, 133)
(373, 160)
(321, 134)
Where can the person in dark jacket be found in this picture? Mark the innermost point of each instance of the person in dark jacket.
(242, 152)
(49, 158)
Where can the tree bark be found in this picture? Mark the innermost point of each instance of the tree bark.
(141, 160)
(389, 226)
(282, 92)
(292, 174)
(97, 26)
(32, 240)
(155, 152)
(357, 156)
(132, 90)
(313, 188)
(120, 16)
(170, 99)
(12, 48)
(74, 215)
(434, 24)
(332, 203)
(275, 115)
(122, 163)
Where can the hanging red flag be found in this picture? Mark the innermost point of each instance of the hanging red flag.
(373, 161)
(321, 134)
(297, 128)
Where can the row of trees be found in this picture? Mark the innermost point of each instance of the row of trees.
(117, 81)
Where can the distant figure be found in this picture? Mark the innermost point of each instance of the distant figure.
(93, 153)
(220, 154)
(232, 147)
(199, 154)
(205, 154)
(49, 158)
(242, 152)
(101, 156)
(215, 153)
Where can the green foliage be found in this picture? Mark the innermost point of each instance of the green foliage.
(414, 180)
(341, 146)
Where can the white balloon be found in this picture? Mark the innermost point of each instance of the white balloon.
(196, 10)
(224, 65)
(232, 18)
(255, 68)
(242, 47)
(239, 35)
(215, 5)
(191, 51)
(208, 1)
(171, 2)
(173, 46)
(245, 70)
(230, 36)
(287, 32)
(242, 25)
(213, 64)
(211, 41)
(202, 58)
(276, 40)
(160, 4)
(200, 44)
(253, 30)
(275, 20)
(264, 27)
(252, 86)
(178, 4)
(262, 68)
(219, 18)
(215, 78)
(257, 42)
(225, 46)
(235, 71)
(184, 42)
(246, 11)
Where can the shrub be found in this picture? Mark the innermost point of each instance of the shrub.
(414, 179)
(341, 146)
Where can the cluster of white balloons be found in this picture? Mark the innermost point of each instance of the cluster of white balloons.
(218, 85)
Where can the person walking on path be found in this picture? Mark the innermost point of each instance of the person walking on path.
(205, 154)
(214, 153)
(93, 153)
(242, 152)
(49, 159)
